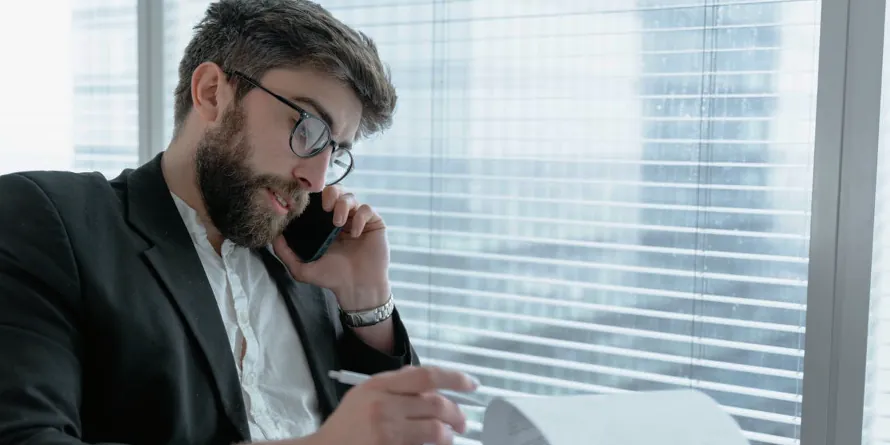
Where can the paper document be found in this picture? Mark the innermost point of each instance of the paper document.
(683, 417)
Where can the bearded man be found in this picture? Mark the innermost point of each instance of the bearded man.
(165, 307)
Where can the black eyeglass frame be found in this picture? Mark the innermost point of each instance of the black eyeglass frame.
(304, 115)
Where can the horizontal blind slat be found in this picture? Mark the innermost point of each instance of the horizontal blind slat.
(595, 327)
(639, 375)
(383, 210)
(514, 258)
(680, 295)
(604, 349)
(594, 286)
(603, 245)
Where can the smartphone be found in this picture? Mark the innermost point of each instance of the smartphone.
(310, 234)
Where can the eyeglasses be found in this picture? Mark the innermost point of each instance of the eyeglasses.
(311, 136)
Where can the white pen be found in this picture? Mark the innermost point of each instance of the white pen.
(354, 378)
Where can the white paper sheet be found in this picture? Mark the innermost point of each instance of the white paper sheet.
(683, 417)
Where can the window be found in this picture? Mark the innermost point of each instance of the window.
(583, 197)
(589, 197)
(72, 103)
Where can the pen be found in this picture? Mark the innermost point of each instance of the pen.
(354, 378)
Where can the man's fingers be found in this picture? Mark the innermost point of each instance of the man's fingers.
(344, 206)
(284, 252)
(356, 224)
(432, 405)
(329, 197)
(422, 379)
(429, 431)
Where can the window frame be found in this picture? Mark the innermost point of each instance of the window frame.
(848, 114)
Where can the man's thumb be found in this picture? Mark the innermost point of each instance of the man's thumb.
(298, 269)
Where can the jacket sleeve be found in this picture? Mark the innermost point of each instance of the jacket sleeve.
(357, 356)
(40, 342)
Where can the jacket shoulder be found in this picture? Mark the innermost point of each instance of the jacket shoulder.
(67, 190)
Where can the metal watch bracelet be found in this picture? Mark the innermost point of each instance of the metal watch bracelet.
(369, 317)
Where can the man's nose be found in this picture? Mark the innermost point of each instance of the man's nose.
(311, 172)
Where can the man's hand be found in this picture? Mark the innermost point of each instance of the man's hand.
(398, 408)
(356, 265)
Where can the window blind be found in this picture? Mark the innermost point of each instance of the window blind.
(106, 80)
(596, 197)
(75, 107)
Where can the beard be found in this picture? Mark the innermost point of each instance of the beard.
(237, 199)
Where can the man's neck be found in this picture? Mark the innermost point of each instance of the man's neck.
(178, 166)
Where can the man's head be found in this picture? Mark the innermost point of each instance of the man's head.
(253, 71)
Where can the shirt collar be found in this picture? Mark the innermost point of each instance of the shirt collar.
(190, 217)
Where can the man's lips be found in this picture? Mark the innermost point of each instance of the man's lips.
(283, 202)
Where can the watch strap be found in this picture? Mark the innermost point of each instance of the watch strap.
(369, 317)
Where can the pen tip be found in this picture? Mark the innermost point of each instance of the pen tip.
(334, 374)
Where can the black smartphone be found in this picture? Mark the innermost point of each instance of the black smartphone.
(310, 234)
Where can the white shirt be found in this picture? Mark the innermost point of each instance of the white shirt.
(277, 386)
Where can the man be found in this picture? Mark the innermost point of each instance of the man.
(163, 306)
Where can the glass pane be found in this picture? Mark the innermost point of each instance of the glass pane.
(72, 102)
(599, 196)
(589, 197)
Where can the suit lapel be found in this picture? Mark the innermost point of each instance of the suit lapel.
(311, 312)
(152, 211)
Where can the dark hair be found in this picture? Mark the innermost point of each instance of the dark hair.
(255, 36)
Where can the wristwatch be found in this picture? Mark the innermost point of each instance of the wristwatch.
(369, 317)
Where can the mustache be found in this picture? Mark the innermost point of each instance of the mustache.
(290, 188)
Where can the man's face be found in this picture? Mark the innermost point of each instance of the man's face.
(252, 184)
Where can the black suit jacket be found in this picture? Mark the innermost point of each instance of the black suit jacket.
(109, 330)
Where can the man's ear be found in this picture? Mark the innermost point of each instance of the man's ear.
(211, 91)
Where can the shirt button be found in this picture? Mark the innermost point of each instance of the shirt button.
(242, 316)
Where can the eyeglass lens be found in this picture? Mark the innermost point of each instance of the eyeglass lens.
(312, 136)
